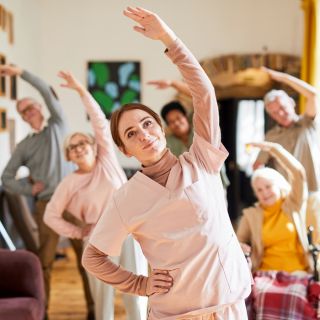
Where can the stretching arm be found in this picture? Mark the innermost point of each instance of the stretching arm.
(302, 87)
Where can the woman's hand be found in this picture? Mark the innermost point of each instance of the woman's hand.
(274, 75)
(85, 231)
(161, 84)
(160, 281)
(264, 145)
(71, 82)
(247, 252)
(245, 248)
(151, 25)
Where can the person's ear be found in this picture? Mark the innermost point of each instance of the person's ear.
(124, 151)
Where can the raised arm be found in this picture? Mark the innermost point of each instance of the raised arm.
(294, 169)
(206, 116)
(50, 98)
(99, 122)
(302, 87)
(179, 86)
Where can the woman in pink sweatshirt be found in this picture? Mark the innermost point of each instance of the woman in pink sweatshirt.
(86, 192)
(174, 207)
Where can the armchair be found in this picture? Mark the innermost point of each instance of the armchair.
(21, 286)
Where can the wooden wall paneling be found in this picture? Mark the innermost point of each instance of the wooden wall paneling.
(2, 79)
(3, 120)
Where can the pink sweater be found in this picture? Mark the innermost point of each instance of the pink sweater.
(85, 196)
(176, 210)
(206, 125)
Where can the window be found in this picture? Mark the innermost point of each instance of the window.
(250, 128)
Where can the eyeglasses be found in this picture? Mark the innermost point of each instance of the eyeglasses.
(81, 144)
(27, 109)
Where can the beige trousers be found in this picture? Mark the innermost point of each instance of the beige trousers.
(48, 241)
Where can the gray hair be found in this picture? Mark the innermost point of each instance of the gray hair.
(274, 94)
(273, 176)
(88, 136)
(26, 98)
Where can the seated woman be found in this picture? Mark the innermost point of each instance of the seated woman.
(275, 227)
(274, 231)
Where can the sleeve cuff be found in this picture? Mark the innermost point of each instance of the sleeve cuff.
(143, 287)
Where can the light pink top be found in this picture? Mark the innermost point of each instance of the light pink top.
(86, 195)
(184, 226)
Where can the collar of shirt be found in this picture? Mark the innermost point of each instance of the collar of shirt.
(43, 126)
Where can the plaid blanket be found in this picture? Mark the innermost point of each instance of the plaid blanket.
(280, 295)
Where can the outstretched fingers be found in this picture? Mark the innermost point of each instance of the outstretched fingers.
(62, 74)
(139, 29)
(70, 81)
(160, 84)
(65, 76)
(133, 14)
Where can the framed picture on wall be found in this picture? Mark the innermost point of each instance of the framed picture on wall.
(2, 17)
(12, 133)
(114, 83)
(3, 120)
(13, 87)
(2, 79)
(9, 26)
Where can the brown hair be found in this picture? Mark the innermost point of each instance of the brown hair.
(116, 116)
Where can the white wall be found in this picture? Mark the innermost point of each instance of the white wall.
(75, 31)
(26, 52)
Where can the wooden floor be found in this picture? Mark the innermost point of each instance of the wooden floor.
(67, 299)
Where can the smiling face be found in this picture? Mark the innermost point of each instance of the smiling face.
(281, 109)
(267, 192)
(30, 111)
(80, 151)
(178, 123)
(142, 136)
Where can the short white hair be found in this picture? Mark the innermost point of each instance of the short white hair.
(274, 94)
(274, 177)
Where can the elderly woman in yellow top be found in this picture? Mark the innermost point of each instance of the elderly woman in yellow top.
(275, 227)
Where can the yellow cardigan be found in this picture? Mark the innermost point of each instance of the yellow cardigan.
(249, 230)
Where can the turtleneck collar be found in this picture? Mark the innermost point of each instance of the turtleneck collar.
(160, 170)
(274, 208)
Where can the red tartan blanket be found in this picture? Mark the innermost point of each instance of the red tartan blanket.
(280, 295)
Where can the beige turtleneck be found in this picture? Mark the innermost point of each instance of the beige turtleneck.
(160, 170)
